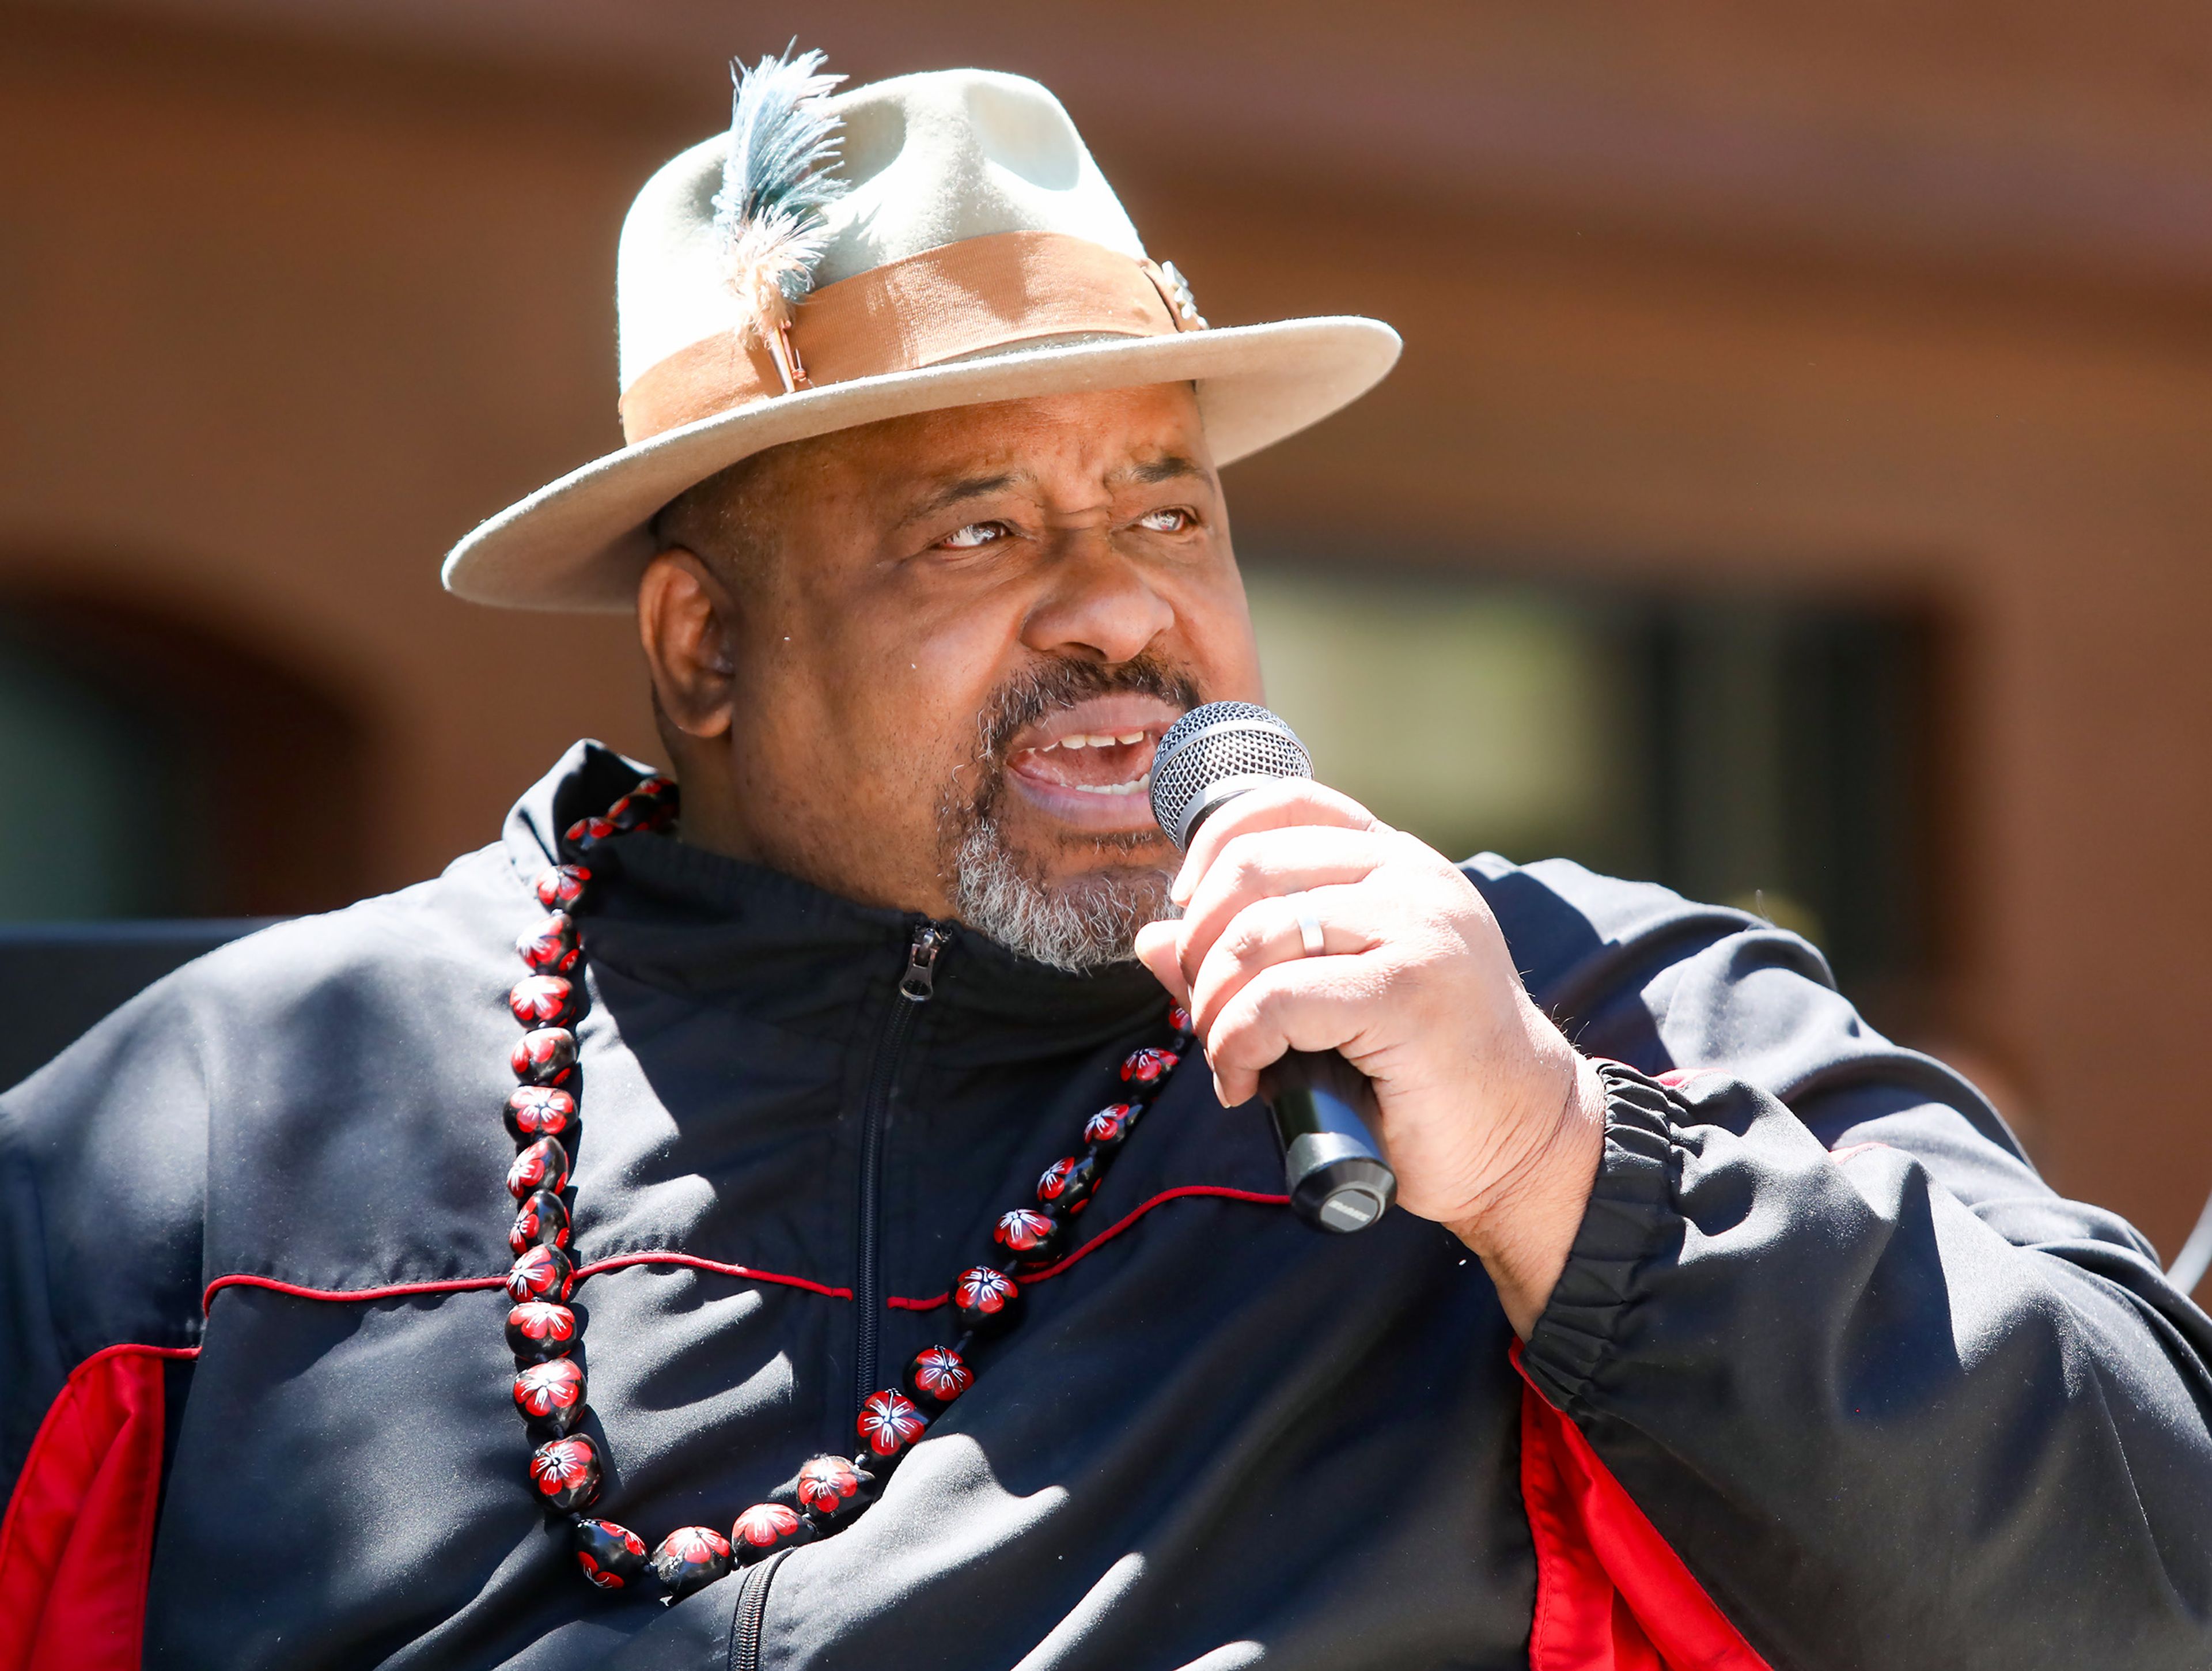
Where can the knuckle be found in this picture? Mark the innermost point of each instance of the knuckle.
(1248, 868)
(1247, 939)
(1267, 1000)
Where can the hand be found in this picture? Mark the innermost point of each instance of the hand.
(1491, 1121)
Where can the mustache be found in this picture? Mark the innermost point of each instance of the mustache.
(1046, 686)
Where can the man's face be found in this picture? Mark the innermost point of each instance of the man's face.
(950, 644)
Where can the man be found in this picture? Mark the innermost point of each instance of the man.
(1714, 1330)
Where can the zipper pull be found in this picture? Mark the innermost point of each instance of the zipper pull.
(918, 983)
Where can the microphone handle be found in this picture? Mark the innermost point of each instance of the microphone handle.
(1332, 1165)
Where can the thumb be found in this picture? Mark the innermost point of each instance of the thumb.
(1158, 948)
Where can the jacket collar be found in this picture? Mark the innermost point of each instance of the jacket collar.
(683, 919)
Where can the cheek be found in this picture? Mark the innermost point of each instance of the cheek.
(904, 693)
(1216, 628)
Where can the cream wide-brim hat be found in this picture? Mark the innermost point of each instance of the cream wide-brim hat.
(978, 255)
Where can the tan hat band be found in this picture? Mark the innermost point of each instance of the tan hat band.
(955, 299)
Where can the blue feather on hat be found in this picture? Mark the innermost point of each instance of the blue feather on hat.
(776, 182)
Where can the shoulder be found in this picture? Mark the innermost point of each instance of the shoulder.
(1638, 974)
(435, 932)
(231, 1006)
(1574, 931)
(1663, 981)
(241, 1038)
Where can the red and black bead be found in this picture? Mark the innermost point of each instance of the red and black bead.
(550, 1396)
(986, 1298)
(1032, 1237)
(641, 810)
(832, 1489)
(543, 1165)
(613, 1556)
(549, 947)
(1105, 1130)
(938, 1376)
(566, 1473)
(544, 1056)
(561, 887)
(544, 1000)
(540, 1329)
(540, 1111)
(549, 1388)
(890, 1422)
(586, 833)
(542, 1221)
(543, 1273)
(691, 1557)
(1148, 1066)
(1067, 1183)
(766, 1527)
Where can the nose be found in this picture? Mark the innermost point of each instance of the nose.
(1097, 605)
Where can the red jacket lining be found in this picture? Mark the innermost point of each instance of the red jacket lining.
(76, 1545)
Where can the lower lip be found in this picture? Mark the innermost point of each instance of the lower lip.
(1115, 813)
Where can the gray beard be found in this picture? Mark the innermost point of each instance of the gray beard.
(1079, 925)
(1088, 924)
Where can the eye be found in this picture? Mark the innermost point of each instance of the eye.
(972, 536)
(1174, 519)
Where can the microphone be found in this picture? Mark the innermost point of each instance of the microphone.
(1337, 1178)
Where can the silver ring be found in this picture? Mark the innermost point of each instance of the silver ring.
(1308, 924)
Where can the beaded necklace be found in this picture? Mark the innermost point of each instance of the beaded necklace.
(542, 1115)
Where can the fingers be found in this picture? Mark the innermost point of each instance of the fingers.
(1267, 863)
(1316, 1003)
(1295, 801)
(1158, 949)
(1270, 932)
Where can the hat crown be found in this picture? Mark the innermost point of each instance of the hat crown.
(929, 160)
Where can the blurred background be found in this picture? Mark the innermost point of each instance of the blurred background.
(1796, 488)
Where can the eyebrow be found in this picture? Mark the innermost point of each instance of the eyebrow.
(1167, 467)
(951, 493)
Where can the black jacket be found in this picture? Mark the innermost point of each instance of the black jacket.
(1891, 1400)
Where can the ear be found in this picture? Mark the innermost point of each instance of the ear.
(686, 618)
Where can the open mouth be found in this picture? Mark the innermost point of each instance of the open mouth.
(1091, 764)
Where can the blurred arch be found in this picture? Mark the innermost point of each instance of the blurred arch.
(158, 765)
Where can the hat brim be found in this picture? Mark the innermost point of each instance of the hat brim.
(581, 542)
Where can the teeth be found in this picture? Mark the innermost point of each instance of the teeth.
(1135, 786)
(1094, 740)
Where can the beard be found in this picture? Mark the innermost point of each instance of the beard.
(1077, 922)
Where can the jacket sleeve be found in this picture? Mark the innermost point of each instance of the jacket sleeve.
(103, 1158)
(1891, 1400)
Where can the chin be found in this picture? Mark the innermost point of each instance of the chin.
(1064, 908)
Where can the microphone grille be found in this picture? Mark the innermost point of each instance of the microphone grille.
(1214, 743)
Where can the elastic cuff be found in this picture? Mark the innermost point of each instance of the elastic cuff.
(1631, 1215)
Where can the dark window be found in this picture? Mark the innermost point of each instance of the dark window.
(154, 769)
(1774, 754)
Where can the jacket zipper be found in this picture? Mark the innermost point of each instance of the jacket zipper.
(917, 986)
(752, 1613)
